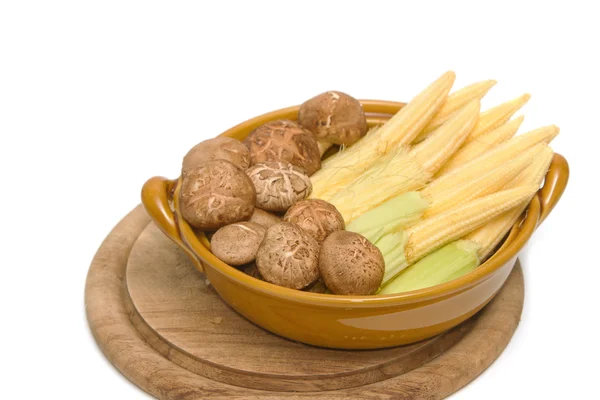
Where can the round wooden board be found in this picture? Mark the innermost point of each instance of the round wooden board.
(183, 318)
(162, 325)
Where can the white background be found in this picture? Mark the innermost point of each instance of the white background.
(96, 97)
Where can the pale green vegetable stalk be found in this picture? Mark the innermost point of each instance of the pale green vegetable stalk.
(408, 209)
(395, 257)
(447, 263)
(430, 234)
(390, 216)
(462, 256)
(343, 167)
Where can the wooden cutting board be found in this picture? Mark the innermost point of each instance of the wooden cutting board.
(163, 326)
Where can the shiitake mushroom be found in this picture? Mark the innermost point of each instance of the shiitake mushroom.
(317, 217)
(237, 244)
(216, 193)
(278, 185)
(219, 148)
(334, 117)
(309, 250)
(288, 256)
(349, 264)
(264, 218)
(284, 141)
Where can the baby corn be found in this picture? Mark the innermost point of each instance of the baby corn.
(462, 256)
(497, 156)
(396, 173)
(404, 171)
(455, 102)
(494, 117)
(343, 167)
(439, 147)
(469, 189)
(409, 208)
(484, 143)
(430, 234)
(490, 235)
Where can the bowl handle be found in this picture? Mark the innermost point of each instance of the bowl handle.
(156, 194)
(554, 185)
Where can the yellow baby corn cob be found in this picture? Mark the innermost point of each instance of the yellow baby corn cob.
(394, 174)
(494, 117)
(400, 130)
(432, 233)
(404, 171)
(484, 143)
(429, 234)
(461, 256)
(438, 148)
(455, 102)
(408, 208)
(467, 190)
(499, 155)
(535, 173)
(489, 235)
(480, 166)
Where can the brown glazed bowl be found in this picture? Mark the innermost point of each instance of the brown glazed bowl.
(351, 322)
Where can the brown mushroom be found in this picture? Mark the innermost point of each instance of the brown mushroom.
(317, 217)
(278, 185)
(250, 269)
(334, 117)
(219, 148)
(318, 287)
(264, 218)
(288, 257)
(237, 244)
(284, 141)
(350, 264)
(216, 193)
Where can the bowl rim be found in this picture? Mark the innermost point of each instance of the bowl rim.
(520, 234)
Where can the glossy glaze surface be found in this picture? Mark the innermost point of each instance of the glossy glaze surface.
(351, 322)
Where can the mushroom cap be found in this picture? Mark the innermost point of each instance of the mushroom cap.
(264, 218)
(317, 217)
(334, 117)
(285, 141)
(278, 185)
(350, 264)
(219, 148)
(237, 244)
(216, 193)
(288, 257)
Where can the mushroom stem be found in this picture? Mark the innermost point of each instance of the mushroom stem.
(324, 145)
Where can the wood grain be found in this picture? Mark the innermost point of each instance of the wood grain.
(483, 339)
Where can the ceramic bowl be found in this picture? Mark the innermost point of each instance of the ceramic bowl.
(351, 322)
